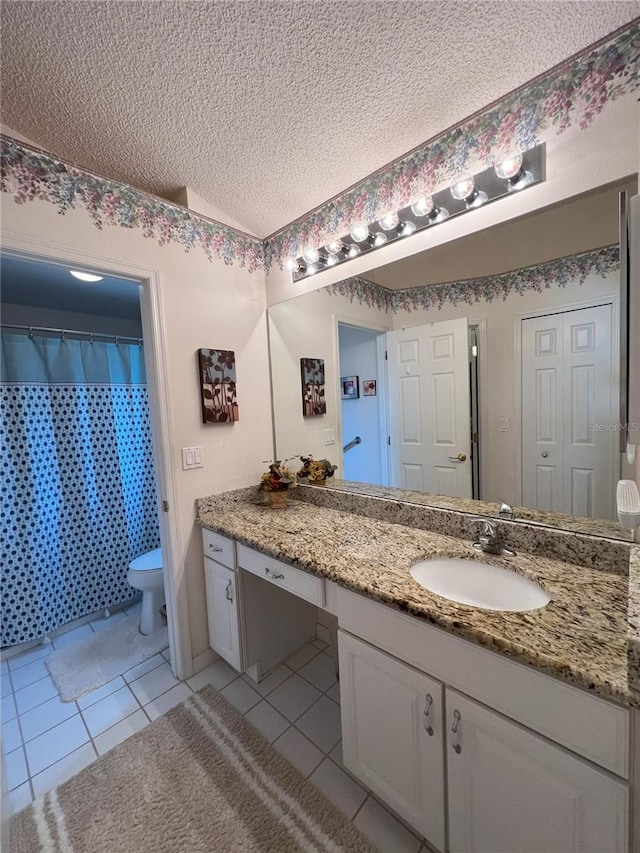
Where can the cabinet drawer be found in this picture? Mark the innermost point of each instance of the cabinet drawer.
(219, 548)
(295, 581)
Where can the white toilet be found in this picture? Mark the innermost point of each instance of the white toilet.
(146, 574)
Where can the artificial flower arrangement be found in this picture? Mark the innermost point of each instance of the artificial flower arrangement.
(278, 478)
(315, 471)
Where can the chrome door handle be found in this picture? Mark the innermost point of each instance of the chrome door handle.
(461, 457)
(427, 710)
(212, 547)
(273, 575)
(457, 717)
(228, 591)
(544, 454)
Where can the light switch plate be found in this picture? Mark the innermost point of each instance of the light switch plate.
(330, 436)
(191, 458)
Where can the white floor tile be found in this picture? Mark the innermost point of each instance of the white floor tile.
(299, 750)
(143, 668)
(11, 737)
(293, 697)
(154, 683)
(319, 644)
(5, 685)
(46, 716)
(343, 791)
(273, 680)
(80, 633)
(168, 700)
(100, 692)
(321, 724)
(324, 635)
(121, 731)
(110, 710)
(53, 745)
(240, 695)
(101, 624)
(218, 674)
(384, 830)
(8, 708)
(303, 656)
(166, 654)
(16, 768)
(269, 722)
(35, 694)
(29, 674)
(34, 654)
(320, 671)
(63, 769)
(334, 692)
(19, 798)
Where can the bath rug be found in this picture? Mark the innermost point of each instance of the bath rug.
(199, 779)
(86, 664)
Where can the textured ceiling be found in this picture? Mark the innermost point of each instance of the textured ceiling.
(268, 108)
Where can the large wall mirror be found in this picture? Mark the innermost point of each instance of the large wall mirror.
(484, 370)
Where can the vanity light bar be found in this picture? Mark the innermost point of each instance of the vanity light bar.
(513, 172)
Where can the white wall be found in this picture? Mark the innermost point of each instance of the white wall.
(307, 328)
(203, 304)
(27, 315)
(361, 417)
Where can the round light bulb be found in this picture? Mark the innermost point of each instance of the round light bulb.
(422, 205)
(334, 247)
(508, 165)
(86, 276)
(379, 239)
(332, 260)
(462, 186)
(406, 228)
(389, 221)
(354, 251)
(359, 231)
(310, 254)
(292, 264)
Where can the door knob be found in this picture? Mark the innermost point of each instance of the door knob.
(461, 457)
(544, 454)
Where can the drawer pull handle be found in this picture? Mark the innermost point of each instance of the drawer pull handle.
(274, 575)
(212, 547)
(427, 710)
(457, 717)
(229, 595)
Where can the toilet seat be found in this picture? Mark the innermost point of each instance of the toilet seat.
(151, 561)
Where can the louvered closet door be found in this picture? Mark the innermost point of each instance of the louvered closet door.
(569, 393)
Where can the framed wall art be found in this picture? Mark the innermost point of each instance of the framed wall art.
(217, 372)
(369, 388)
(313, 398)
(350, 386)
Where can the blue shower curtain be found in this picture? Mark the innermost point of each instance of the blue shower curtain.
(78, 486)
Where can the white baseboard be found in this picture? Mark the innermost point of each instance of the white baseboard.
(204, 659)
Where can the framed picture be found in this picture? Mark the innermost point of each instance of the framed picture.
(313, 399)
(350, 387)
(369, 388)
(217, 372)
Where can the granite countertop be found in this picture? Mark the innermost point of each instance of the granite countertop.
(588, 634)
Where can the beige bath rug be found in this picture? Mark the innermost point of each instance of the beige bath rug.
(197, 780)
(87, 664)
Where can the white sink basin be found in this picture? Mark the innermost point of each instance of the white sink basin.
(479, 584)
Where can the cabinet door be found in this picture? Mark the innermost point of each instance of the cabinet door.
(510, 790)
(222, 612)
(392, 735)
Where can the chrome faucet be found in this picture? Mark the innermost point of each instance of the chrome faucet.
(490, 540)
(506, 511)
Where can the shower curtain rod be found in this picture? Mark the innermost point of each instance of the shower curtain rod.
(63, 332)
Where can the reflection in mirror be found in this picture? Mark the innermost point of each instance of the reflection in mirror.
(491, 369)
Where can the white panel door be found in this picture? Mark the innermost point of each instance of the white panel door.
(222, 612)
(510, 790)
(429, 408)
(392, 734)
(569, 393)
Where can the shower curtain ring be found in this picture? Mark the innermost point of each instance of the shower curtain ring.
(30, 331)
(62, 335)
(90, 339)
(117, 341)
(139, 342)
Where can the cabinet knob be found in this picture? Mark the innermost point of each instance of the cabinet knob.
(427, 711)
(274, 575)
(455, 730)
(544, 454)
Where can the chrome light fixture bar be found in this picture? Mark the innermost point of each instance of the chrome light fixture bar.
(511, 172)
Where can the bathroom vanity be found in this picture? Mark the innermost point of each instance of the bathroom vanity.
(484, 730)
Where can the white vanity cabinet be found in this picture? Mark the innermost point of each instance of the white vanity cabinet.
(392, 718)
(223, 601)
(509, 789)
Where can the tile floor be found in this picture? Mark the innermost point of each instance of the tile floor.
(296, 708)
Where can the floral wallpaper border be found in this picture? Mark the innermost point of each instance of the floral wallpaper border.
(28, 174)
(571, 94)
(559, 272)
